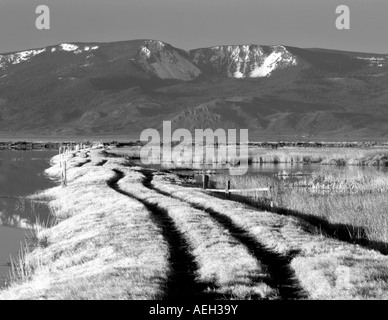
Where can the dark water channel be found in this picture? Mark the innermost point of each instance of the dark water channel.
(21, 174)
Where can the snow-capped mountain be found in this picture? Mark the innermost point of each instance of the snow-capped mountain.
(166, 62)
(18, 57)
(26, 56)
(121, 88)
(244, 61)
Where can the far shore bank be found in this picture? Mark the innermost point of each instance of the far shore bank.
(344, 154)
(53, 143)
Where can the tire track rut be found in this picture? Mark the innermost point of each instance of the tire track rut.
(282, 277)
(101, 163)
(181, 283)
(81, 164)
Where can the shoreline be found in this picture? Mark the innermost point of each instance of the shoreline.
(110, 243)
(25, 144)
(14, 236)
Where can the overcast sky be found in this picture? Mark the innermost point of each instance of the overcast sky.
(190, 24)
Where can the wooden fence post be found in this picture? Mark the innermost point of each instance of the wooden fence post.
(61, 172)
(271, 195)
(205, 181)
(65, 169)
(64, 173)
(60, 157)
(227, 192)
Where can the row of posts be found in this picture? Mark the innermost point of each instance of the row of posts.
(64, 153)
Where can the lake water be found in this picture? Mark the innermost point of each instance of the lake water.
(21, 174)
(272, 170)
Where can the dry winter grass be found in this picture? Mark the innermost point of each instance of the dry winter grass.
(343, 156)
(326, 268)
(329, 156)
(355, 201)
(130, 233)
(104, 247)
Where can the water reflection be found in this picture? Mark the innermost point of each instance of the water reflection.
(21, 174)
(22, 212)
(11, 240)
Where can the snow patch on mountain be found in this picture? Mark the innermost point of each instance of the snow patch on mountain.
(375, 61)
(18, 57)
(244, 61)
(145, 52)
(272, 62)
(23, 56)
(68, 47)
(76, 49)
(267, 67)
(87, 48)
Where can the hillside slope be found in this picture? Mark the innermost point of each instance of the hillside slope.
(122, 88)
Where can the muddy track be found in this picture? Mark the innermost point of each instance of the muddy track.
(181, 283)
(83, 163)
(101, 163)
(282, 277)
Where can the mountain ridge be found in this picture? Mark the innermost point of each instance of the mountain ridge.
(191, 49)
(123, 87)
